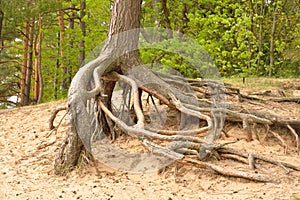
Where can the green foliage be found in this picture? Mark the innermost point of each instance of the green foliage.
(230, 32)
(233, 35)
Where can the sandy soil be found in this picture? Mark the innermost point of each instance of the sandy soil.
(27, 157)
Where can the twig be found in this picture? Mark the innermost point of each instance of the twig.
(156, 95)
(281, 140)
(247, 130)
(41, 146)
(151, 97)
(296, 137)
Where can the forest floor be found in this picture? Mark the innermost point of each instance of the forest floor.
(27, 157)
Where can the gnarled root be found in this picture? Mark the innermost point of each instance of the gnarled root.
(197, 141)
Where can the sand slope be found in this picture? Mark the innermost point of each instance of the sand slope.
(27, 157)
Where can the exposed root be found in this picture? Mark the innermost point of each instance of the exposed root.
(260, 157)
(228, 172)
(177, 144)
(51, 120)
(235, 157)
(53, 116)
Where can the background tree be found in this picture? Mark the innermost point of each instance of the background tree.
(237, 34)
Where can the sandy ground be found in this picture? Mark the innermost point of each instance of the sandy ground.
(27, 157)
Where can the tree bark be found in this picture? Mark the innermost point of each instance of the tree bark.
(166, 17)
(81, 55)
(23, 96)
(116, 55)
(29, 63)
(38, 85)
(57, 66)
(272, 41)
(71, 42)
(64, 69)
(1, 24)
(260, 36)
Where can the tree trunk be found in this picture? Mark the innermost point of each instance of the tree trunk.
(272, 42)
(116, 55)
(38, 85)
(81, 55)
(250, 43)
(29, 63)
(1, 24)
(57, 65)
(64, 69)
(260, 36)
(23, 96)
(166, 17)
(71, 43)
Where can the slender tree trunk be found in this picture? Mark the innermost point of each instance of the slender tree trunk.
(57, 65)
(38, 86)
(81, 55)
(71, 43)
(184, 18)
(23, 96)
(166, 17)
(64, 69)
(29, 63)
(260, 36)
(272, 43)
(250, 46)
(1, 24)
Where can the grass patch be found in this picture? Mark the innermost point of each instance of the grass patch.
(259, 84)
